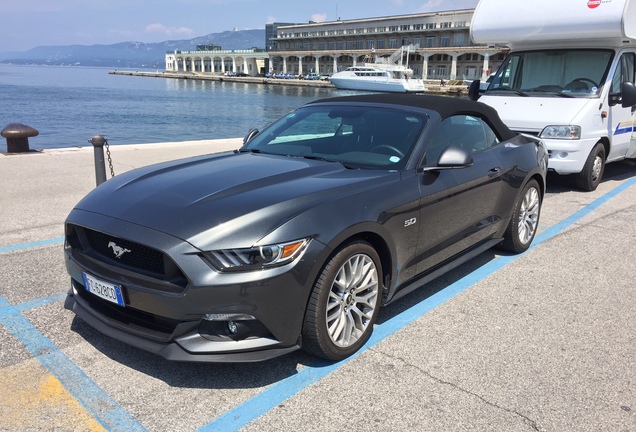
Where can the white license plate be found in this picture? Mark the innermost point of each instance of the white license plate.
(105, 290)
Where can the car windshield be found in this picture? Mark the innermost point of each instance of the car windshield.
(356, 136)
(557, 73)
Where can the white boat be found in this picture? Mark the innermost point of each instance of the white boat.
(378, 77)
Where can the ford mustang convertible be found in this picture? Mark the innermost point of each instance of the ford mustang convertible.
(296, 239)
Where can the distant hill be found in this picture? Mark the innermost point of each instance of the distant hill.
(131, 54)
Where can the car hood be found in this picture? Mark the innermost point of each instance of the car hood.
(228, 199)
(532, 114)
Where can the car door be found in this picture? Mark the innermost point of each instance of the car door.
(458, 206)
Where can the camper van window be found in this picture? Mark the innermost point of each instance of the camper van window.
(624, 72)
(562, 73)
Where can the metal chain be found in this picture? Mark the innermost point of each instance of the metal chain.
(110, 161)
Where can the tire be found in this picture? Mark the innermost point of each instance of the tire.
(344, 303)
(525, 219)
(592, 173)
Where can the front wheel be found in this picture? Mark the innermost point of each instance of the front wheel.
(590, 177)
(344, 303)
(525, 219)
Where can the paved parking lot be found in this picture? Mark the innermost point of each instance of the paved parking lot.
(544, 341)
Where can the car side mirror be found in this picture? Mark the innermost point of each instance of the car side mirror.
(452, 157)
(250, 134)
(473, 90)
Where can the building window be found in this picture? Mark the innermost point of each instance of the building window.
(405, 27)
(350, 45)
(444, 41)
(340, 45)
(430, 26)
(445, 25)
(458, 39)
(371, 30)
(430, 41)
(370, 43)
(331, 45)
(381, 43)
(418, 26)
(460, 24)
(393, 43)
(417, 41)
(359, 44)
(393, 28)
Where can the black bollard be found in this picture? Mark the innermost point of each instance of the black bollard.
(98, 142)
(17, 136)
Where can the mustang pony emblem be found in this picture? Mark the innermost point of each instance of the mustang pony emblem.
(117, 250)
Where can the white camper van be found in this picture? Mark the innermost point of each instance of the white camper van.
(569, 78)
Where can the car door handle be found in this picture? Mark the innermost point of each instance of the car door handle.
(494, 172)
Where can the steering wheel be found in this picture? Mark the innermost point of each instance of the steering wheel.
(387, 147)
(585, 80)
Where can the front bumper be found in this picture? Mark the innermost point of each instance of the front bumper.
(170, 316)
(191, 347)
(569, 157)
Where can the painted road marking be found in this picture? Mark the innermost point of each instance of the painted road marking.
(98, 404)
(33, 399)
(48, 242)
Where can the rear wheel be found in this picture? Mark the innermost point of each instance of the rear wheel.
(344, 303)
(525, 219)
(590, 177)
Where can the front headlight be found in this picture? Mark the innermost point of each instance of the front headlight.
(258, 257)
(568, 132)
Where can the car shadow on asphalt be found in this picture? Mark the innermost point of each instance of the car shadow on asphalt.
(257, 375)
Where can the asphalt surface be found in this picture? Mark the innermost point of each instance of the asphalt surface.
(543, 341)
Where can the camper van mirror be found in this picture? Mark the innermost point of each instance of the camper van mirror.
(628, 91)
(473, 90)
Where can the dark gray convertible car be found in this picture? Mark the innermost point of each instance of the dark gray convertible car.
(296, 239)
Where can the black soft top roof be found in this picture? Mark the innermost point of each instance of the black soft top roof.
(445, 106)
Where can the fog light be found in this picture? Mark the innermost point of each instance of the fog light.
(232, 327)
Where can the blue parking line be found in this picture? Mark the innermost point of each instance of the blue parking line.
(273, 396)
(31, 245)
(96, 402)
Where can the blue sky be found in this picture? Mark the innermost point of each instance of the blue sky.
(26, 24)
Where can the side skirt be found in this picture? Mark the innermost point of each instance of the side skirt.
(456, 262)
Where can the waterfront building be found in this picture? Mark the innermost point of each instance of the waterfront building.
(217, 60)
(434, 45)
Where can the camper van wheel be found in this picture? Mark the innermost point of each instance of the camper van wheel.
(590, 177)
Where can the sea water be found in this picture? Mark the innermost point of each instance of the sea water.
(69, 105)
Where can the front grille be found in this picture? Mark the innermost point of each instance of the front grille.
(136, 256)
(133, 256)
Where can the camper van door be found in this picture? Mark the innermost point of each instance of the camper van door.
(622, 119)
